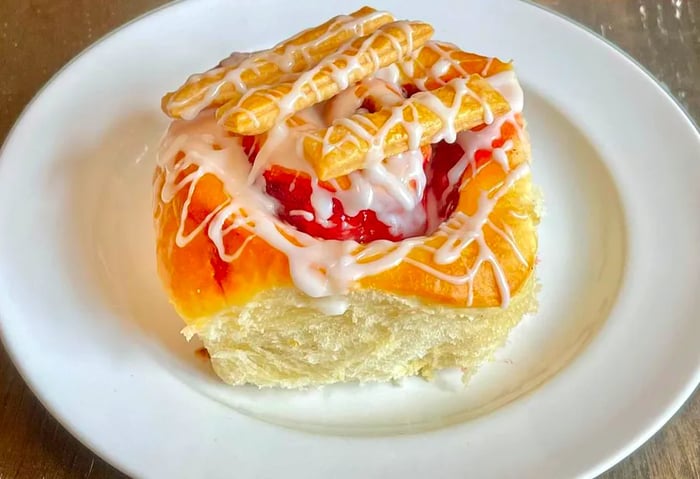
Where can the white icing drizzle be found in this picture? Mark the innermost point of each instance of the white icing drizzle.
(380, 91)
(283, 55)
(459, 233)
(307, 215)
(439, 68)
(500, 154)
(393, 187)
(487, 67)
(520, 216)
(361, 128)
(390, 74)
(507, 234)
(320, 268)
(348, 56)
(507, 85)
(473, 141)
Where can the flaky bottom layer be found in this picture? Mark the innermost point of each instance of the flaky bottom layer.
(280, 340)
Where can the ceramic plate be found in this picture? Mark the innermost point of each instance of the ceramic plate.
(610, 356)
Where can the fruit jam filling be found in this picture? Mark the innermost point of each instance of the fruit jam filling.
(405, 196)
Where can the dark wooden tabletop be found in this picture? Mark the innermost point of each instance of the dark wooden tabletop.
(37, 37)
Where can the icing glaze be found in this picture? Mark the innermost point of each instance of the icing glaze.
(290, 56)
(393, 187)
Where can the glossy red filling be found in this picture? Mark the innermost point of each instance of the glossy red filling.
(293, 192)
(292, 189)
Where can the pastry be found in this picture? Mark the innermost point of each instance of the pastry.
(259, 108)
(354, 143)
(241, 71)
(369, 216)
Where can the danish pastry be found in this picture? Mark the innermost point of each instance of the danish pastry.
(359, 209)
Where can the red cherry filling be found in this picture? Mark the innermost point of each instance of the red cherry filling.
(292, 189)
(250, 147)
(445, 157)
(293, 192)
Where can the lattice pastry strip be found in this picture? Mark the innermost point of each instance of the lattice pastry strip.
(259, 109)
(296, 54)
(436, 63)
(354, 143)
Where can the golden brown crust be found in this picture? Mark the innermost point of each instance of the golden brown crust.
(259, 110)
(333, 34)
(198, 282)
(347, 156)
(201, 285)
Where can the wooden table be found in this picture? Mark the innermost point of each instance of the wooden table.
(38, 37)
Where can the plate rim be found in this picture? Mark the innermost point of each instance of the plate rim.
(693, 386)
(595, 469)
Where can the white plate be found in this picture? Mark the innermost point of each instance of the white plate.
(610, 356)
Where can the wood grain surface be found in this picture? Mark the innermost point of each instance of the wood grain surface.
(37, 37)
